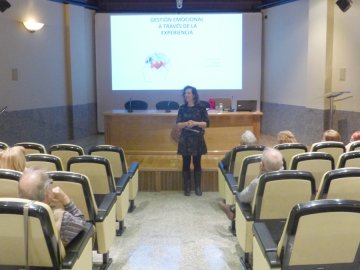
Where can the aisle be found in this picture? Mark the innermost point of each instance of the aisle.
(170, 231)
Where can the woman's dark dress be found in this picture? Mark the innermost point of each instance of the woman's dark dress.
(192, 143)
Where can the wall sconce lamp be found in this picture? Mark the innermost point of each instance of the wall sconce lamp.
(33, 26)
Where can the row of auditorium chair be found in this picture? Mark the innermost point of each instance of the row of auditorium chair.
(101, 185)
(161, 105)
(275, 238)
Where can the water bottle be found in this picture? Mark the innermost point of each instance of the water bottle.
(221, 107)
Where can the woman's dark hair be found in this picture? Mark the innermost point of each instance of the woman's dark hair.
(194, 92)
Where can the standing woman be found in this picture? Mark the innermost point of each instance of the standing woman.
(192, 119)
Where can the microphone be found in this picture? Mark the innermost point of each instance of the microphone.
(3, 110)
(168, 107)
(130, 106)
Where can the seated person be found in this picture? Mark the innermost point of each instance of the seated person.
(271, 160)
(247, 138)
(36, 185)
(13, 158)
(354, 137)
(331, 135)
(286, 136)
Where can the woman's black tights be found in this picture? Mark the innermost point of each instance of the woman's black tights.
(196, 163)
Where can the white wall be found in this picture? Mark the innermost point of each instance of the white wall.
(40, 57)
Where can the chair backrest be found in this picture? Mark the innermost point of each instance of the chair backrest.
(349, 159)
(321, 234)
(340, 184)
(250, 169)
(167, 105)
(77, 186)
(44, 161)
(32, 147)
(136, 105)
(288, 150)
(315, 162)
(335, 149)
(354, 146)
(9, 182)
(278, 192)
(239, 153)
(204, 103)
(3, 146)
(44, 247)
(65, 152)
(114, 154)
(97, 169)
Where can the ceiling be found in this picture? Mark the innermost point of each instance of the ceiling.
(170, 5)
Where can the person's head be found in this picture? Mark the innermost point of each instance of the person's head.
(331, 135)
(13, 158)
(190, 94)
(355, 136)
(247, 138)
(35, 185)
(271, 160)
(286, 136)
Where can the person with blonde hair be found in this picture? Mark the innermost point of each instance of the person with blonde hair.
(331, 135)
(354, 137)
(286, 136)
(13, 158)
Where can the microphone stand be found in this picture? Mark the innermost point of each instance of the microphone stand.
(168, 108)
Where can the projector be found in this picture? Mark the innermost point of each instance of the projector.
(4, 5)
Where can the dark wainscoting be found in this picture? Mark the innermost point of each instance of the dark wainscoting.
(48, 125)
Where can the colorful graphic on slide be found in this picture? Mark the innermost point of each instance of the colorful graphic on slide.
(156, 67)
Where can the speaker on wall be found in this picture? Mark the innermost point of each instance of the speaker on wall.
(344, 5)
(4, 5)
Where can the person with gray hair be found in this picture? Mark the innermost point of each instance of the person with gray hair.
(247, 138)
(35, 185)
(271, 160)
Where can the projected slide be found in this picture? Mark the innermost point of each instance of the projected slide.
(167, 52)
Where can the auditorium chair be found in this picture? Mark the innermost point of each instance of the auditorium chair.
(205, 104)
(46, 162)
(341, 183)
(100, 210)
(288, 150)
(354, 146)
(276, 194)
(167, 105)
(317, 163)
(32, 148)
(117, 159)
(335, 149)
(321, 234)
(99, 172)
(3, 146)
(30, 240)
(65, 152)
(9, 182)
(349, 159)
(136, 105)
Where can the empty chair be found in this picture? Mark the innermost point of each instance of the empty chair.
(3, 146)
(354, 146)
(65, 152)
(335, 149)
(117, 159)
(349, 159)
(205, 104)
(315, 162)
(100, 210)
(321, 234)
(36, 244)
(44, 161)
(167, 105)
(9, 181)
(340, 184)
(277, 193)
(32, 148)
(136, 105)
(99, 172)
(288, 150)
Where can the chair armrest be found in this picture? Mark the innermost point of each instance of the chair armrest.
(133, 168)
(77, 245)
(246, 209)
(222, 168)
(266, 243)
(107, 203)
(121, 183)
(231, 182)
